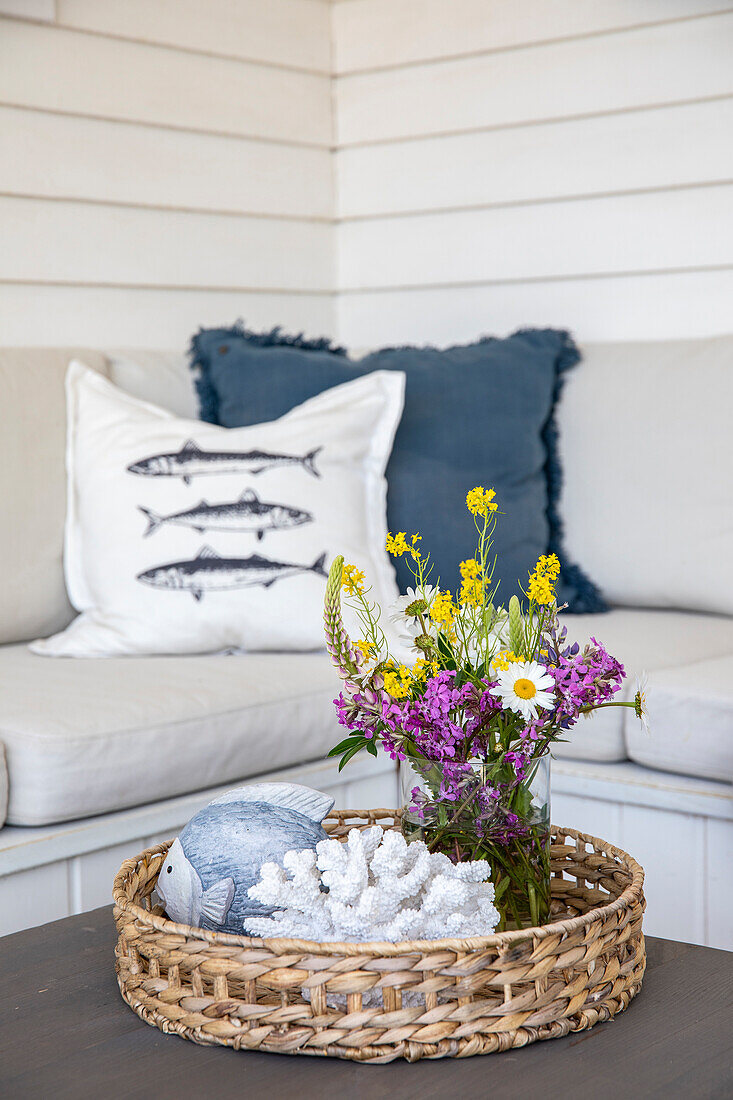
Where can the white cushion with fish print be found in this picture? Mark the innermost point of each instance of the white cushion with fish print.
(184, 537)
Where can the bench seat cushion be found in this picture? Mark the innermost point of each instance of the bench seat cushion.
(691, 721)
(644, 641)
(88, 737)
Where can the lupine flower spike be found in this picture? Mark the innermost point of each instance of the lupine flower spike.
(338, 643)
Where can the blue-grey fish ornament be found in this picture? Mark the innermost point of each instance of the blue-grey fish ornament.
(218, 854)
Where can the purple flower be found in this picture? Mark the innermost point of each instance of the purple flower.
(518, 761)
(584, 679)
(451, 727)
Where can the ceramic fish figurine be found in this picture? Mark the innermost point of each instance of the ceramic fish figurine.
(218, 854)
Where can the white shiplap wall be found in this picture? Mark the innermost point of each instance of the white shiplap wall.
(168, 163)
(527, 162)
(163, 164)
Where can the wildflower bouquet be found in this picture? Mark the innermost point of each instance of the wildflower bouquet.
(473, 711)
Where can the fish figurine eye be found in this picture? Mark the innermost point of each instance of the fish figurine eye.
(170, 868)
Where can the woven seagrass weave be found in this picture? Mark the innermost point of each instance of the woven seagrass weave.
(374, 1002)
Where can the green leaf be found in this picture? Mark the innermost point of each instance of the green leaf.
(446, 652)
(522, 801)
(348, 755)
(347, 743)
(500, 889)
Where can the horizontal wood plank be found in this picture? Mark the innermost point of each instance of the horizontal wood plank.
(78, 242)
(675, 62)
(621, 234)
(111, 317)
(660, 307)
(62, 156)
(63, 70)
(372, 34)
(281, 32)
(643, 149)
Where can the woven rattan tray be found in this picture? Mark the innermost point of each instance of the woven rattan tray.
(374, 1002)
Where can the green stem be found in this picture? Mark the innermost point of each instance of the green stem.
(533, 906)
(599, 706)
(448, 824)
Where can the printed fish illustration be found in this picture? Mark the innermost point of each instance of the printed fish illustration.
(249, 513)
(218, 854)
(209, 572)
(191, 461)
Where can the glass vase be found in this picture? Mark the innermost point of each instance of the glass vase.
(485, 811)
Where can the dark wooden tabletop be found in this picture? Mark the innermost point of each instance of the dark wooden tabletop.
(66, 1033)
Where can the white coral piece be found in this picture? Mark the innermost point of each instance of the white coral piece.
(375, 886)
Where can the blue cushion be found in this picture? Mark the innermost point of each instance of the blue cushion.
(478, 414)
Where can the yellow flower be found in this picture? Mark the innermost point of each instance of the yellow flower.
(352, 579)
(479, 501)
(542, 582)
(472, 585)
(398, 545)
(397, 684)
(443, 611)
(421, 669)
(367, 650)
(504, 658)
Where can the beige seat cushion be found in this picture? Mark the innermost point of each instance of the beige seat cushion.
(163, 378)
(642, 641)
(85, 737)
(691, 721)
(33, 598)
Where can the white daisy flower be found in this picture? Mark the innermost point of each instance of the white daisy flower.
(640, 704)
(409, 626)
(524, 687)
